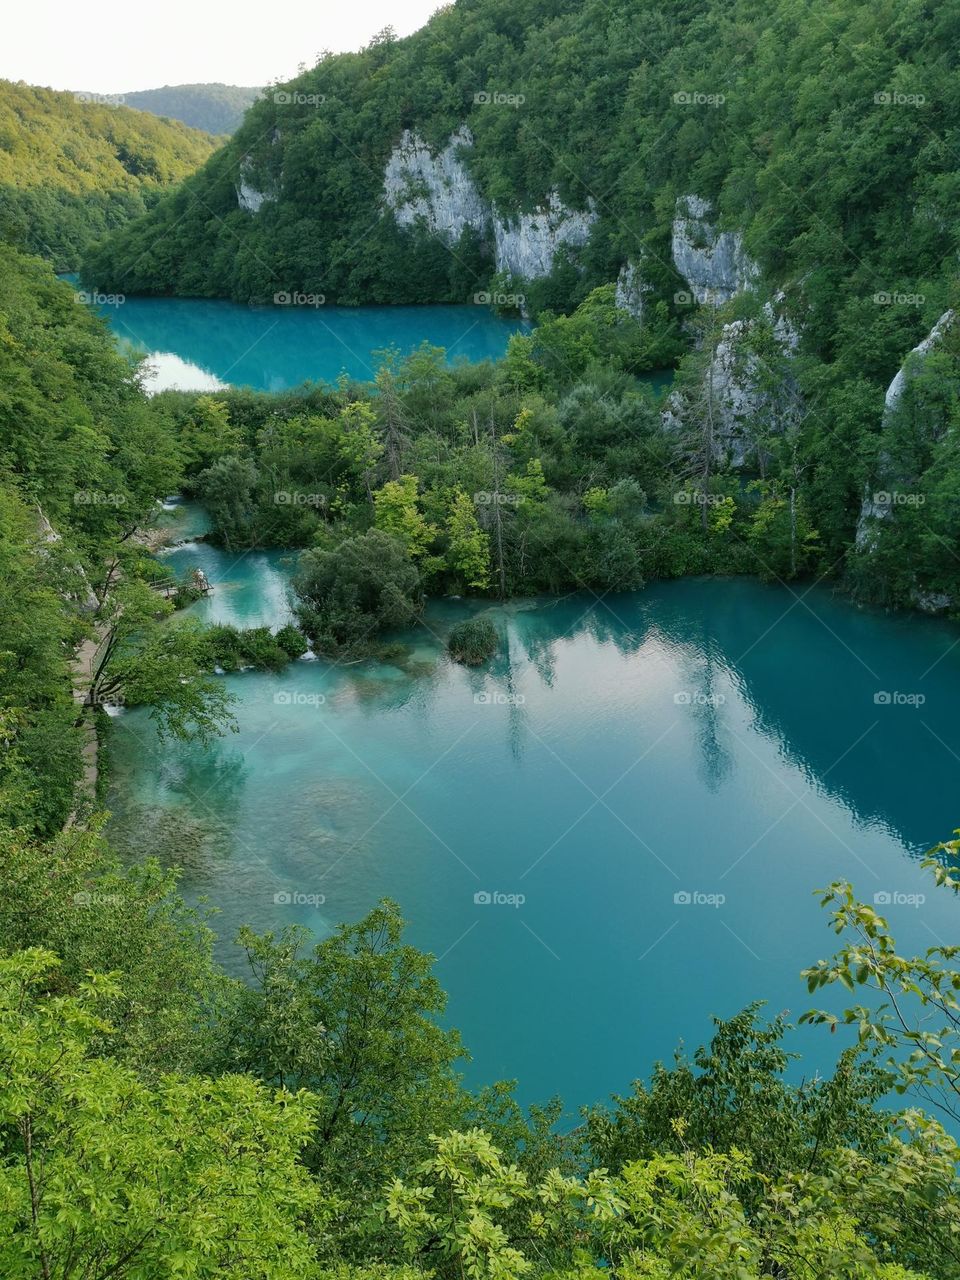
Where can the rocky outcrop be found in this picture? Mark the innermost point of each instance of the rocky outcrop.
(880, 500)
(527, 244)
(48, 535)
(631, 290)
(249, 197)
(741, 392)
(712, 262)
(930, 343)
(436, 191)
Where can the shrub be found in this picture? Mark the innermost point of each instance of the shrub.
(365, 585)
(232, 648)
(473, 642)
(291, 640)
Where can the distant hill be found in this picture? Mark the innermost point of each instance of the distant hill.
(73, 167)
(215, 108)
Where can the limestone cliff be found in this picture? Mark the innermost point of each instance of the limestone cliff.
(435, 190)
(750, 396)
(632, 290)
(712, 262)
(528, 243)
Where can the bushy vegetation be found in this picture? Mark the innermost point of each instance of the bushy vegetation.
(364, 585)
(233, 648)
(84, 458)
(557, 469)
(310, 1121)
(821, 132)
(214, 108)
(527, 476)
(73, 168)
(473, 641)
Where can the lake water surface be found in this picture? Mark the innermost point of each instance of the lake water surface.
(609, 835)
(201, 345)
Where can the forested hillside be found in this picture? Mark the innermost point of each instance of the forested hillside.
(824, 132)
(772, 190)
(214, 108)
(73, 166)
(83, 461)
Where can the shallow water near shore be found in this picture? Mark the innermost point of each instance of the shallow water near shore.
(611, 833)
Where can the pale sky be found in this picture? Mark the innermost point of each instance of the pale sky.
(112, 46)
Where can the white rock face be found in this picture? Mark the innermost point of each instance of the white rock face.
(740, 401)
(631, 290)
(712, 262)
(930, 342)
(526, 244)
(50, 537)
(437, 189)
(248, 197)
(873, 511)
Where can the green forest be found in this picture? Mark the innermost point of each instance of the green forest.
(810, 153)
(74, 166)
(554, 470)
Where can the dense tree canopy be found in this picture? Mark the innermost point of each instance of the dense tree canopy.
(74, 166)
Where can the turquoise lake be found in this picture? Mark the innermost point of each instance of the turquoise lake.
(609, 835)
(199, 345)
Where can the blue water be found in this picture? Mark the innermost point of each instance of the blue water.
(200, 345)
(711, 738)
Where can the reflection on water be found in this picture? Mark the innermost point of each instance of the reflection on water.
(616, 760)
(166, 371)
